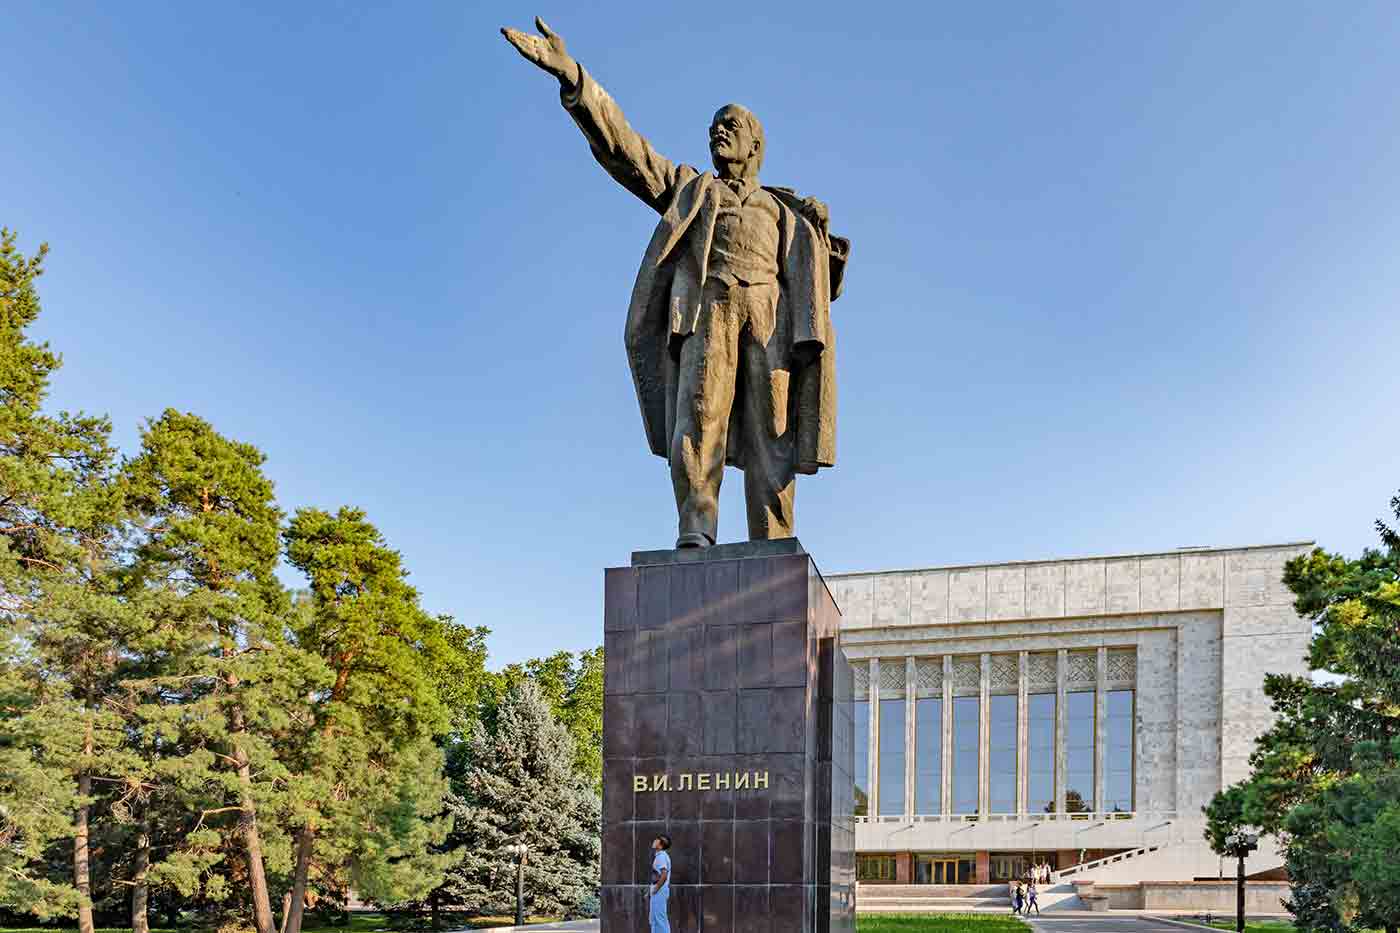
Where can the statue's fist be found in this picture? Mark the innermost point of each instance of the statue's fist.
(546, 50)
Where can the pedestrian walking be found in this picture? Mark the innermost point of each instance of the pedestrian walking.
(1031, 901)
(1018, 901)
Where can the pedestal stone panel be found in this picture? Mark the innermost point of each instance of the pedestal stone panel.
(728, 726)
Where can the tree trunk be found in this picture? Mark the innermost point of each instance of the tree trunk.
(252, 840)
(140, 892)
(286, 906)
(82, 877)
(305, 839)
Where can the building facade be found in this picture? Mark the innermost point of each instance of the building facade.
(1078, 713)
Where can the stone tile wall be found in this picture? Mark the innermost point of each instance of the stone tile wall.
(717, 667)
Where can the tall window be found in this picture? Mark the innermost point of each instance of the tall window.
(1118, 776)
(928, 756)
(1001, 754)
(862, 763)
(1040, 753)
(892, 757)
(1079, 752)
(966, 726)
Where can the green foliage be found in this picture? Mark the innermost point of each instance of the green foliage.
(38, 741)
(238, 688)
(368, 785)
(57, 508)
(517, 783)
(1325, 779)
(159, 685)
(572, 686)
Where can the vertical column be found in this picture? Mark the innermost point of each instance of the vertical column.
(911, 691)
(875, 739)
(1061, 676)
(984, 736)
(1022, 729)
(1100, 708)
(947, 733)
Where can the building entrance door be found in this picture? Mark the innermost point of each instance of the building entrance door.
(930, 869)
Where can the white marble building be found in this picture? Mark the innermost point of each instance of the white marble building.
(1079, 712)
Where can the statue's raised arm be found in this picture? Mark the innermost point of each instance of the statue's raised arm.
(624, 152)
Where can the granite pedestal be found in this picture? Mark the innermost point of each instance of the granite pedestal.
(727, 725)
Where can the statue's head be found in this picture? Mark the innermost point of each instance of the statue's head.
(736, 142)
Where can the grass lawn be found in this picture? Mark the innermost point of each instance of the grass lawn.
(938, 923)
(359, 923)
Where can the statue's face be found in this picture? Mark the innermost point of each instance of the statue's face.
(732, 139)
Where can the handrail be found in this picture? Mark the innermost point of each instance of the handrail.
(1109, 860)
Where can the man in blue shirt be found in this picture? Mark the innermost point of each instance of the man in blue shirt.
(660, 884)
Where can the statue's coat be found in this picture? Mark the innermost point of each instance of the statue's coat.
(666, 297)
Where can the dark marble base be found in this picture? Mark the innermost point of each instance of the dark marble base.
(739, 550)
(727, 664)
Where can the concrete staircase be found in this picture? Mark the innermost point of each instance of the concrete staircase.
(932, 898)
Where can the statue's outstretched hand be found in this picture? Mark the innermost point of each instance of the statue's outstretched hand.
(546, 50)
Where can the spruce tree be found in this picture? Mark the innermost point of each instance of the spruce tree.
(517, 783)
(573, 688)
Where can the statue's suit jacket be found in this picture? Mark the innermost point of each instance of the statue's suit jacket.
(666, 298)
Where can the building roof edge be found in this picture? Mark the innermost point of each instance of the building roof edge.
(1078, 559)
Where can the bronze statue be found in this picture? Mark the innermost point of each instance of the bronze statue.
(729, 330)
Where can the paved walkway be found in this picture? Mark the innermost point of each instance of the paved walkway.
(559, 926)
(1075, 921)
(1098, 923)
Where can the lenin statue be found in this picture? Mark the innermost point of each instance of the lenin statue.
(729, 331)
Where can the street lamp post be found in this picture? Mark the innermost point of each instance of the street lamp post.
(518, 851)
(1240, 845)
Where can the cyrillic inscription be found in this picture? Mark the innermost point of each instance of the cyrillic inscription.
(700, 780)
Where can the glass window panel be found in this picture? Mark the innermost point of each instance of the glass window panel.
(875, 868)
(1040, 753)
(1001, 754)
(892, 757)
(966, 728)
(862, 763)
(1118, 728)
(928, 756)
(1079, 752)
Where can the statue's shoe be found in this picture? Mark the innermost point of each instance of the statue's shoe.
(693, 539)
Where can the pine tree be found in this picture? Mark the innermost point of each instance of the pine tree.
(162, 801)
(517, 783)
(211, 545)
(1325, 779)
(58, 511)
(368, 775)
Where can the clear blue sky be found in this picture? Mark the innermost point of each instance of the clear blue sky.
(1126, 275)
